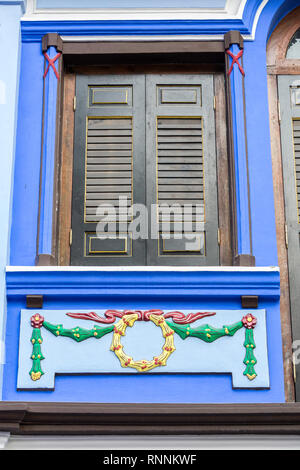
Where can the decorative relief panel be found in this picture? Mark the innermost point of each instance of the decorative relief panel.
(143, 341)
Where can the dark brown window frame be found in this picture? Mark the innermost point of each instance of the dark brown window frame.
(137, 57)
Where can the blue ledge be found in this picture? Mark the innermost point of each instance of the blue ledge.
(33, 31)
(176, 283)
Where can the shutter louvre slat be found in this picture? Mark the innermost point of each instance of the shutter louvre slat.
(107, 169)
(180, 167)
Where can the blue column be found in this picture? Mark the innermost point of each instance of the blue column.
(52, 53)
(239, 152)
(10, 13)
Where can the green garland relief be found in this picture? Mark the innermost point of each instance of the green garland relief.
(77, 333)
(37, 356)
(206, 333)
(209, 334)
(250, 359)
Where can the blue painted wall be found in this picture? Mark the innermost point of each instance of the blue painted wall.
(23, 248)
(258, 133)
(25, 208)
(10, 13)
(28, 154)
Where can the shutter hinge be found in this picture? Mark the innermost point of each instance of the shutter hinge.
(215, 102)
(71, 237)
(219, 236)
(279, 112)
(74, 103)
(286, 235)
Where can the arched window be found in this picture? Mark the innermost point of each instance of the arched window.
(293, 50)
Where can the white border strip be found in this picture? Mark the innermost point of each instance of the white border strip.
(257, 16)
(241, 8)
(147, 15)
(207, 37)
(152, 443)
(11, 269)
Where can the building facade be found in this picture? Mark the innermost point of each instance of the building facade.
(150, 215)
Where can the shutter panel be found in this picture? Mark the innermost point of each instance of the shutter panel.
(109, 160)
(179, 151)
(289, 97)
(149, 140)
(181, 162)
(109, 155)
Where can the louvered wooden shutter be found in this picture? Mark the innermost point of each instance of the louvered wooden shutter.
(108, 172)
(296, 141)
(181, 169)
(180, 162)
(109, 156)
(289, 97)
(151, 140)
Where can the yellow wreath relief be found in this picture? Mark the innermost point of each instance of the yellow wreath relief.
(142, 365)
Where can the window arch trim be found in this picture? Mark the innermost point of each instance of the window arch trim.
(279, 41)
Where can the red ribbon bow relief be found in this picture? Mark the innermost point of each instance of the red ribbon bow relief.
(235, 60)
(51, 63)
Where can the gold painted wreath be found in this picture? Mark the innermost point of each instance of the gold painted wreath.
(142, 365)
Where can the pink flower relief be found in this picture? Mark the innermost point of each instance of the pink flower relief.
(249, 321)
(37, 321)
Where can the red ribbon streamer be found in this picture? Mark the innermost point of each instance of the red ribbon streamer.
(111, 315)
(235, 60)
(51, 63)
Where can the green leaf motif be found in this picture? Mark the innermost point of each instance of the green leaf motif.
(206, 333)
(36, 339)
(209, 334)
(78, 334)
(250, 360)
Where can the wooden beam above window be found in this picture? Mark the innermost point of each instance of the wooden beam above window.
(142, 47)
